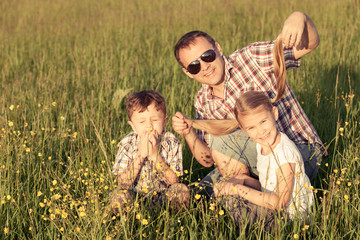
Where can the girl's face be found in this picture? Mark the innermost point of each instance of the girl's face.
(261, 128)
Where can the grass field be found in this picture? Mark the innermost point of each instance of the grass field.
(65, 68)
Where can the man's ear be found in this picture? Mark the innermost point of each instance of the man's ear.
(217, 45)
(132, 125)
(187, 73)
(276, 113)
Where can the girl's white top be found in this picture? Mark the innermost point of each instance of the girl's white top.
(286, 152)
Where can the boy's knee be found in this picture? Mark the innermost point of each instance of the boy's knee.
(179, 195)
(118, 199)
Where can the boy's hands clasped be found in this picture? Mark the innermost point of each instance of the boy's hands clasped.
(149, 143)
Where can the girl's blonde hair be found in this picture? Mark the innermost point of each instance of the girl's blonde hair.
(279, 68)
(248, 100)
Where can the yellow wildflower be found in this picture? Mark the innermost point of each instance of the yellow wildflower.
(56, 196)
(6, 230)
(39, 193)
(197, 196)
(10, 123)
(144, 222)
(221, 212)
(296, 236)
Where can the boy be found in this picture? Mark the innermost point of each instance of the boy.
(149, 159)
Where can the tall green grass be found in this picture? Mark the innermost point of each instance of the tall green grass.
(62, 64)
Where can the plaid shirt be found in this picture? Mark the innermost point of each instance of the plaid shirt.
(251, 69)
(149, 177)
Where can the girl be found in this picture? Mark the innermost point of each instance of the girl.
(283, 185)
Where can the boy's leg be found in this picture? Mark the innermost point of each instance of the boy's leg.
(178, 196)
(239, 146)
(311, 155)
(119, 198)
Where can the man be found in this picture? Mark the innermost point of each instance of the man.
(224, 78)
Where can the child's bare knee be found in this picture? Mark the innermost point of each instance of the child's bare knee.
(179, 195)
(119, 198)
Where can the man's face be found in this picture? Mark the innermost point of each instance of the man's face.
(148, 120)
(211, 73)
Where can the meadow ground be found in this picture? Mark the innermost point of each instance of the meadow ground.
(66, 67)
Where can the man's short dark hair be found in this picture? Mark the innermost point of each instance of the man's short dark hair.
(139, 101)
(188, 39)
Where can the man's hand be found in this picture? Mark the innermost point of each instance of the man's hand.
(299, 33)
(293, 29)
(179, 124)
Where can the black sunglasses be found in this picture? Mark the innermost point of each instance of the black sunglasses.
(194, 67)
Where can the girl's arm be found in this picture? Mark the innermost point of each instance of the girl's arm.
(278, 200)
(229, 186)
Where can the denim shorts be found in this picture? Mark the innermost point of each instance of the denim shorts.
(311, 154)
(238, 146)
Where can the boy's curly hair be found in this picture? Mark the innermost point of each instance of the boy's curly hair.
(139, 101)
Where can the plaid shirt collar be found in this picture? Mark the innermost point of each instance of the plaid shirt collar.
(229, 65)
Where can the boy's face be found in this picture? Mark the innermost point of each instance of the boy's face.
(261, 128)
(148, 120)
